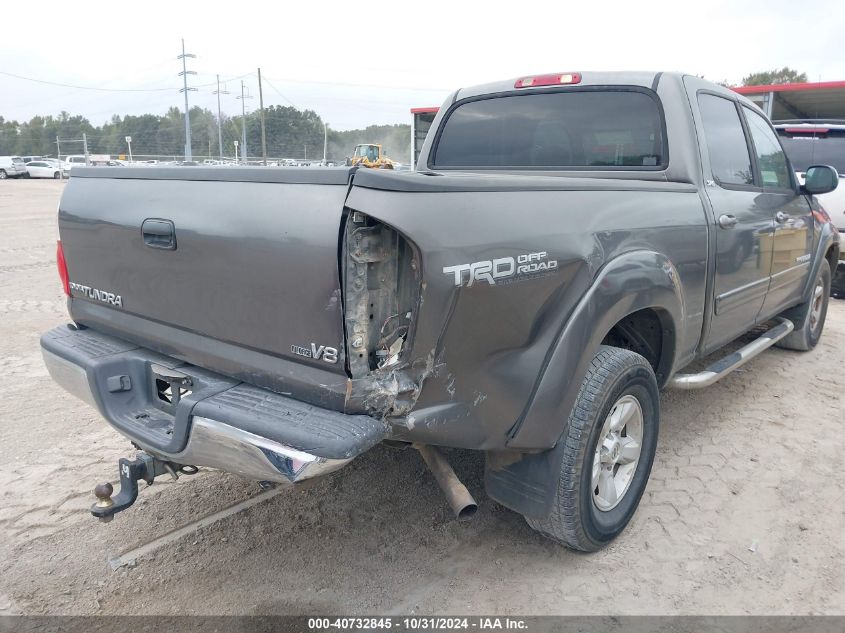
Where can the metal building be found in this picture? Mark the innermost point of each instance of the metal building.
(820, 100)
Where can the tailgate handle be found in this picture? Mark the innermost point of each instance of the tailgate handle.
(159, 234)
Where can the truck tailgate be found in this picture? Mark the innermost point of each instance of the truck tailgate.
(245, 260)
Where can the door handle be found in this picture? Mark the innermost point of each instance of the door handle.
(159, 234)
(727, 221)
(782, 217)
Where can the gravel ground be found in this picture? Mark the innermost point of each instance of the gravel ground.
(743, 513)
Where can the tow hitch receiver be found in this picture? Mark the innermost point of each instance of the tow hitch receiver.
(145, 467)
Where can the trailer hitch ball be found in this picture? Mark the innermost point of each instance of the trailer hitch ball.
(144, 467)
(103, 493)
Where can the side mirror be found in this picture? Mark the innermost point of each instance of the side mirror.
(820, 179)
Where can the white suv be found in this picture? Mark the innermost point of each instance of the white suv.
(75, 160)
(12, 167)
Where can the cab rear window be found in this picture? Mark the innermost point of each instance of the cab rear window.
(585, 129)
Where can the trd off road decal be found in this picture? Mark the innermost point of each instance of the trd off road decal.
(503, 269)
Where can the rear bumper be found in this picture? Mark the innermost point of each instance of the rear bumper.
(215, 422)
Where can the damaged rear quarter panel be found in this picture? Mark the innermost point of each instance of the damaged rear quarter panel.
(479, 350)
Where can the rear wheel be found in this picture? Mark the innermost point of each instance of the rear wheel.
(609, 448)
(812, 314)
(2, 174)
(56, 176)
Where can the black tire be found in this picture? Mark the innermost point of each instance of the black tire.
(2, 174)
(56, 176)
(811, 315)
(575, 519)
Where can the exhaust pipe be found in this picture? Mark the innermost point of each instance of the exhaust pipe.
(459, 498)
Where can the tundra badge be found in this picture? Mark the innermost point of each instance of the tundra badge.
(98, 295)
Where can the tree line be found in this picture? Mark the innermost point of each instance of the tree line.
(291, 133)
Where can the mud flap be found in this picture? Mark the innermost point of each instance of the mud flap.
(837, 283)
(524, 482)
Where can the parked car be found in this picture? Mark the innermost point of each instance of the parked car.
(567, 247)
(820, 141)
(29, 159)
(12, 167)
(75, 160)
(59, 164)
(43, 169)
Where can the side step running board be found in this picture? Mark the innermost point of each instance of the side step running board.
(726, 365)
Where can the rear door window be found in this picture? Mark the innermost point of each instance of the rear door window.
(727, 147)
(586, 129)
(771, 159)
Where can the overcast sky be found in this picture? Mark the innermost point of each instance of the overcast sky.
(356, 63)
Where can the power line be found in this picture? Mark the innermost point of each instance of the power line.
(280, 94)
(361, 85)
(63, 85)
(77, 87)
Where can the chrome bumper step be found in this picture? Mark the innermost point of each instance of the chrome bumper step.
(729, 363)
(182, 414)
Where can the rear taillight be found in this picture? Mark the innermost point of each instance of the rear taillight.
(62, 265)
(556, 79)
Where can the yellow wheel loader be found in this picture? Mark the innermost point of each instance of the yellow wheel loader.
(370, 155)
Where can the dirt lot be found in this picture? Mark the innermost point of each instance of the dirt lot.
(743, 513)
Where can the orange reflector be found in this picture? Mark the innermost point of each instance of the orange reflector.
(556, 79)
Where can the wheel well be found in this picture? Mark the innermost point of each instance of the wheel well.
(648, 333)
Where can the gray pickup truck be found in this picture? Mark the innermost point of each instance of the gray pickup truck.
(567, 245)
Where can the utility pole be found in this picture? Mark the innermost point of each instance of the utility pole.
(129, 143)
(263, 131)
(184, 74)
(236, 151)
(219, 92)
(58, 149)
(243, 99)
(325, 141)
(83, 140)
(305, 149)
